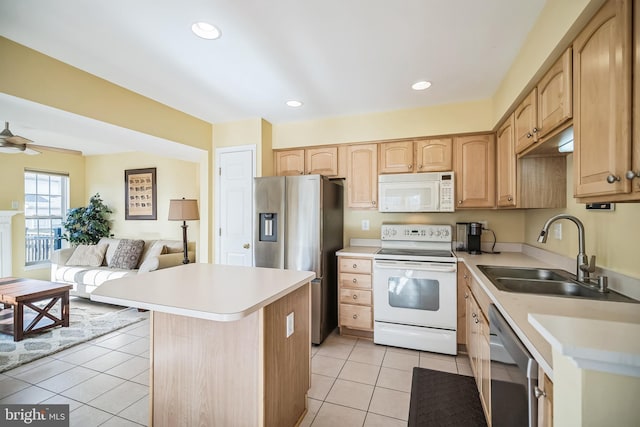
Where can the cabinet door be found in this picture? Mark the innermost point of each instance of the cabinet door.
(471, 313)
(506, 164)
(526, 119)
(323, 161)
(475, 171)
(602, 109)
(434, 155)
(463, 275)
(634, 174)
(396, 157)
(289, 162)
(545, 401)
(362, 176)
(554, 95)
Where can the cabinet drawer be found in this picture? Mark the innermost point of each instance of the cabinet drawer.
(355, 296)
(355, 280)
(355, 265)
(357, 317)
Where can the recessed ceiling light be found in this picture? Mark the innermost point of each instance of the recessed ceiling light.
(205, 30)
(421, 85)
(294, 103)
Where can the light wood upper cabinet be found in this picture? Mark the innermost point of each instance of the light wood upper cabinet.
(362, 176)
(433, 155)
(526, 122)
(506, 163)
(322, 160)
(554, 95)
(396, 157)
(602, 109)
(474, 167)
(289, 162)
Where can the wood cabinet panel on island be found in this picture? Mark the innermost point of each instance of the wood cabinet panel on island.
(362, 176)
(355, 308)
(475, 171)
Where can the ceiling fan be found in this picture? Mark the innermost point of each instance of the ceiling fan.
(10, 143)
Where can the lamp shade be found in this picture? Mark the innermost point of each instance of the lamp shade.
(183, 210)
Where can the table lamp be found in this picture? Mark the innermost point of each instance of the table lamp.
(183, 210)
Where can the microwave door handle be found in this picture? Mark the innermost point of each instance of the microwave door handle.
(417, 266)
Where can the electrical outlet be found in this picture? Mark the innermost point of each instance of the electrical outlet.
(289, 324)
(14, 204)
(365, 224)
(557, 231)
(485, 224)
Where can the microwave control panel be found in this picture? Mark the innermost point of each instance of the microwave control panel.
(446, 193)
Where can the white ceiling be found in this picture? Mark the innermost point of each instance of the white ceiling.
(340, 57)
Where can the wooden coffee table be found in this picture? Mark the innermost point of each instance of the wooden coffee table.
(16, 294)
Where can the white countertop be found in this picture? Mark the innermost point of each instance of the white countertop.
(516, 307)
(598, 345)
(359, 251)
(207, 291)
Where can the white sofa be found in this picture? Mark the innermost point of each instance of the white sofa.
(157, 254)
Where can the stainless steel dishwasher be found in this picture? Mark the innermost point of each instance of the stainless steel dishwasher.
(514, 376)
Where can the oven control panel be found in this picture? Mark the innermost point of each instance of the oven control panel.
(416, 232)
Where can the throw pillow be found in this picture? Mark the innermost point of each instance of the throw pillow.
(127, 254)
(87, 255)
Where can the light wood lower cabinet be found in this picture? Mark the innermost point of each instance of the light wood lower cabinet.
(545, 401)
(355, 308)
(476, 333)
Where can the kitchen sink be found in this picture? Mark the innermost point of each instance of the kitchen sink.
(544, 281)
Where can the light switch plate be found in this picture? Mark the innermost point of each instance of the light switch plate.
(365, 224)
(289, 324)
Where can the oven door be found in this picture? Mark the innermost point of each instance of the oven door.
(415, 293)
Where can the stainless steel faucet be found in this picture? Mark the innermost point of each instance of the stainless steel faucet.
(583, 266)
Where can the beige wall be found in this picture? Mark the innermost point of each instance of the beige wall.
(12, 168)
(175, 179)
(473, 116)
(612, 236)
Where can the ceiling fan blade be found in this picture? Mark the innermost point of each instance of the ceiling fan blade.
(31, 151)
(55, 149)
(16, 139)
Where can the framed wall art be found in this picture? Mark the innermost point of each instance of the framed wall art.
(140, 194)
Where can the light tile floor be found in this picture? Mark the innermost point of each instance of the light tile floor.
(106, 381)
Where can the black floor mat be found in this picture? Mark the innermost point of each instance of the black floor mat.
(440, 399)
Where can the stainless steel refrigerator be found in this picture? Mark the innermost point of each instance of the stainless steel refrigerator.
(298, 226)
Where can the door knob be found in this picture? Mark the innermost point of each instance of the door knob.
(246, 246)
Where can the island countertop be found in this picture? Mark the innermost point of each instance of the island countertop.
(207, 291)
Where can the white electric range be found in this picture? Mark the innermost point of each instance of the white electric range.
(414, 288)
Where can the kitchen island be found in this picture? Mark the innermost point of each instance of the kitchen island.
(229, 345)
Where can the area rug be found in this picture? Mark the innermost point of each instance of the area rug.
(87, 320)
(440, 399)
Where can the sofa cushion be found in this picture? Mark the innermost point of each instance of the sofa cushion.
(87, 255)
(127, 254)
(149, 259)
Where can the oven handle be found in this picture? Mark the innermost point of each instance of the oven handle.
(422, 266)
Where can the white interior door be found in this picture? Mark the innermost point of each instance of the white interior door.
(234, 205)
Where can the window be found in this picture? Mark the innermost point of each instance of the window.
(46, 202)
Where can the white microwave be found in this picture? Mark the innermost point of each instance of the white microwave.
(416, 192)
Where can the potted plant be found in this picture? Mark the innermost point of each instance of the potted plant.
(87, 225)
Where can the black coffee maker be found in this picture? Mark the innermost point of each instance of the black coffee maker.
(474, 234)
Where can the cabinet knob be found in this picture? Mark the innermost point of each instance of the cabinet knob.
(529, 135)
(474, 315)
(459, 202)
(301, 172)
(612, 178)
(246, 246)
(535, 130)
(355, 280)
(355, 296)
(538, 393)
(410, 167)
(466, 295)
(476, 320)
(355, 316)
(373, 202)
(631, 174)
(510, 199)
(420, 167)
(355, 266)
